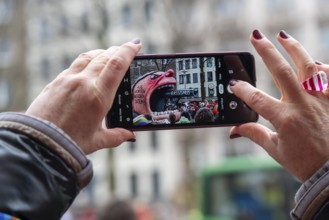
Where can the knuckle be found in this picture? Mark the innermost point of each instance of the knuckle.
(85, 56)
(284, 70)
(256, 98)
(73, 83)
(309, 67)
(116, 63)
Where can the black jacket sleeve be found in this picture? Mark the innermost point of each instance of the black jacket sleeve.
(42, 170)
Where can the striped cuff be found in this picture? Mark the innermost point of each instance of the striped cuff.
(312, 194)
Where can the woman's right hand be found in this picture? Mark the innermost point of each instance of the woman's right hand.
(300, 118)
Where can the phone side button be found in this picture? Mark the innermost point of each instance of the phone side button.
(220, 89)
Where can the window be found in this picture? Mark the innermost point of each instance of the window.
(85, 22)
(194, 63)
(195, 78)
(229, 8)
(44, 30)
(279, 5)
(187, 64)
(165, 61)
(181, 79)
(6, 10)
(126, 16)
(64, 25)
(324, 35)
(45, 69)
(209, 62)
(155, 184)
(211, 92)
(154, 140)
(137, 63)
(180, 65)
(150, 48)
(6, 51)
(150, 62)
(132, 146)
(66, 61)
(133, 185)
(148, 11)
(210, 77)
(188, 78)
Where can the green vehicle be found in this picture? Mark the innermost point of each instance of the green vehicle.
(247, 188)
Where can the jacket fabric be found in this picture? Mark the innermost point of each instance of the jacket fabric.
(312, 198)
(42, 170)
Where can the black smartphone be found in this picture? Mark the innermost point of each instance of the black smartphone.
(171, 91)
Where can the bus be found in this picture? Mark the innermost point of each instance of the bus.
(247, 188)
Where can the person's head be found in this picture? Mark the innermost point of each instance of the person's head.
(118, 210)
(172, 118)
(204, 115)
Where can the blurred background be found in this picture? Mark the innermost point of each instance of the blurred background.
(195, 174)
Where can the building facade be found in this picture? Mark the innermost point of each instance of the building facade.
(13, 78)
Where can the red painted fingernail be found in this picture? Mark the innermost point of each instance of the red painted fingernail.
(257, 34)
(233, 136)
(284, 34)
(318, 63)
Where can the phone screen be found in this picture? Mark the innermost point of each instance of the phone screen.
(181, 91)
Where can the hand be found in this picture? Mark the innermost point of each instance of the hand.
(300, 118)
(80, 97)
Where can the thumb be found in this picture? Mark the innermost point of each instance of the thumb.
(109, 138)
(257, 133)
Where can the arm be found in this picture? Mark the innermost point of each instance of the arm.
(43, 151)
(42, 169)
(299, 141)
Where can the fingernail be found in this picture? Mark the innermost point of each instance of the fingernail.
(284, 34)
(136, 41)
(233, 82)
(318, 62)
(132, 140)
(233, 136)
(257, 34)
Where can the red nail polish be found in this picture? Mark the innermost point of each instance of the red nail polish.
(284, 34)
(233, 136)
(257, 34)
(318, 63)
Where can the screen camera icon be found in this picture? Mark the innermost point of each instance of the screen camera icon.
(233, 105)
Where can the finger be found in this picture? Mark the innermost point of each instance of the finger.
(259, 134)
(116, 136)
(323, 67)
(83, 60)
(96, 65)
(303, 61)
(263, 104)
(117, 67)
(280, 69)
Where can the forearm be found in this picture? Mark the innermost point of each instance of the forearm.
(42, 168)
(313, 197)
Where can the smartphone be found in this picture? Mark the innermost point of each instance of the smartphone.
(172, 91)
